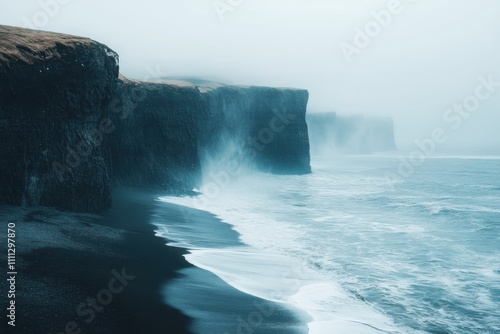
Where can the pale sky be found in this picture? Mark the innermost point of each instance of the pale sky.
(419, 61)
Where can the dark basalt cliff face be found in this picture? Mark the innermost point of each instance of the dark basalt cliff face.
(71, 129)
(54, 90)
(156, 138)
(330, 132)
(262, 123)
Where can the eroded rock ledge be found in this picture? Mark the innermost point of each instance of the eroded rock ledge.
(71, 128)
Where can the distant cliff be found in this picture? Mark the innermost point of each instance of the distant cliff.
(71, 128)
(332, 133)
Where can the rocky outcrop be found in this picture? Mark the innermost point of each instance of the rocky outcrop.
(71, 129)
(331, 133)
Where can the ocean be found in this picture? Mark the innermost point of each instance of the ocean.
(356, 252)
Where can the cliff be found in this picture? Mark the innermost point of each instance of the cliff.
(264, 126)
(331, 133)
(54, 90)
(156, 138)
(184, 124)
(72, 128)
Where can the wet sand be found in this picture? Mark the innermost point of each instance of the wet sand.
(83, 273)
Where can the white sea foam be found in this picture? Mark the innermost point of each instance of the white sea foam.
(439, 207)
(371, 257)
(281, 279)
(284, 279)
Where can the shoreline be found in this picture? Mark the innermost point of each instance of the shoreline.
(220, 306)
(109, 273)
(91, 273)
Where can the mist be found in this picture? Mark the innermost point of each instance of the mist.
(411, 60)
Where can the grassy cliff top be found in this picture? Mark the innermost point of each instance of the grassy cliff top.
(19, 45)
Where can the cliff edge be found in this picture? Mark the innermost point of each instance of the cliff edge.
(72, 128)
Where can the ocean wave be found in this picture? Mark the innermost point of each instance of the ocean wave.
(485, 187)
(377, 248)
(438, 208)
(282, 278)
(285, 280)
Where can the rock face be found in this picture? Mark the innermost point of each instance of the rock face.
(266, 126)
(156, 138)
(184, 123)
(71, 129)
(54, 90)
(330, 132)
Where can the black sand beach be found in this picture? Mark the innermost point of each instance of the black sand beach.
(82, 273)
